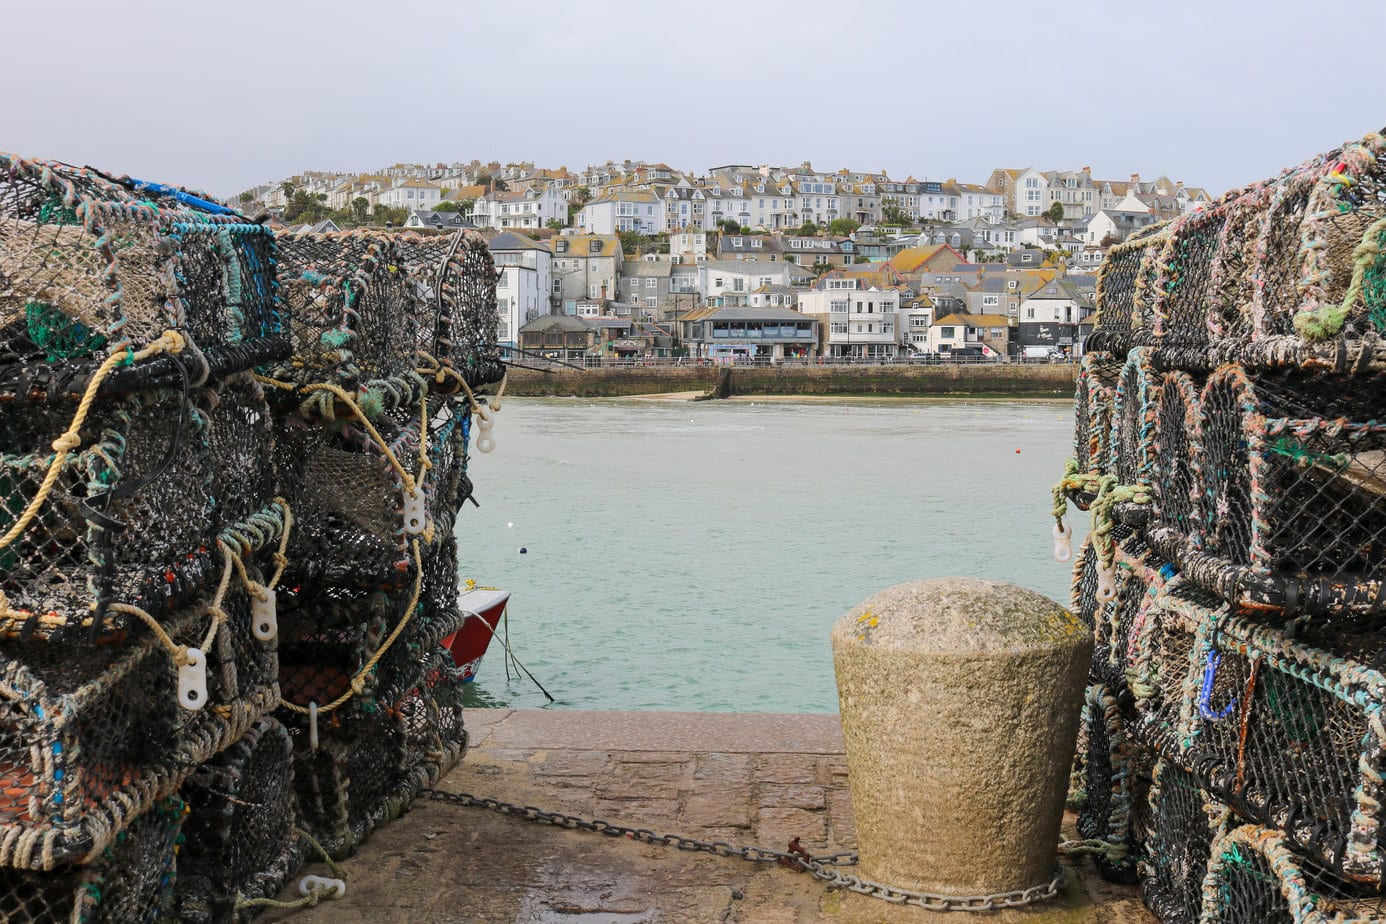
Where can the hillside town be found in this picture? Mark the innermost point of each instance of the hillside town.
(634, 261)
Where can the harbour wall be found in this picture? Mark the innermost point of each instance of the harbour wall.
(980, 380)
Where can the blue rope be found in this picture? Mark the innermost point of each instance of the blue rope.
(1205, 696)
(159, 189)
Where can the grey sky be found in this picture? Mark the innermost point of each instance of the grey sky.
(228, 94)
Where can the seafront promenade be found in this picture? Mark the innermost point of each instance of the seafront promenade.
(745, 778)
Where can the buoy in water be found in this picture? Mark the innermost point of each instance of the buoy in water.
(510, 526)
(523, 550)
(1017, 452)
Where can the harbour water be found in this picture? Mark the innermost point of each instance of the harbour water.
(694, 556)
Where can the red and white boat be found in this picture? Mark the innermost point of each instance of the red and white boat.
(482, 609)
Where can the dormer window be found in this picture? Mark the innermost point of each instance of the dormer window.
(736, 242)
(594, 247)
(562, 246)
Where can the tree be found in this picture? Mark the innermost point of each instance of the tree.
(246, 198)
(288, 188)
(359, 207)
(894, 215)
(581, 196)
(730, 226)
(631, 242)
(843, 227)
(486, 179)
(555, 223)
(447, 207)
(1055, 213)
(862, 258)
(808, 229)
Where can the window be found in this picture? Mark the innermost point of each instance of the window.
(991, 299)
(558, 287)
(1030, 313)
(652, 283)
(652, 301)
(947, 332)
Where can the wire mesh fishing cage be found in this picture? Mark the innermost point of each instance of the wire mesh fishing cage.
(1254, 878)
(87, 264)
(1133, 422)
(1125, 285)
(90, 736)
(1172, 478)
(1179, 295)
(241, 837)
(1095, 395)
(1116, 778)
(131, 879)
(1180, 825)
(1290, 471)
(1231, 287)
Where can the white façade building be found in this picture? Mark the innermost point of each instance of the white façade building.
(524, 283)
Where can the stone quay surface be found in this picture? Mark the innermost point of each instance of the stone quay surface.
(746, 778)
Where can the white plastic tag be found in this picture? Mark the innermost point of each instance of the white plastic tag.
(415, 512)
(1106, 584)
(485, 417)
(335, 888)
(485, 442)
(192, 680)
(1063, 546)
(313, 726)
(264, 620)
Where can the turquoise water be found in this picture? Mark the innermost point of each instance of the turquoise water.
(694, 556)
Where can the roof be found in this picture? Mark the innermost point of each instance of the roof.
(973, 320)
(564, 322)
(768, 313)
(509, 240)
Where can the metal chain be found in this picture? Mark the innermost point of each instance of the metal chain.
(820, 867)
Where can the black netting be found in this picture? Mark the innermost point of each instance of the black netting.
(1182, 296)
(1116, 779)
(1133, 442)
(132, 879)
(1223, 472)
(240, 832)
(1092, 411)
(1172, 471)
(1231, 286)
(86, 263)
(1179, 829)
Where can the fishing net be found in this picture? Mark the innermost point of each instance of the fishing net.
(1125, 288)
(1181, 291)
(1291, 475)
(1180, 827)
(240, 833)
(131, 879)
(1172, 465)
(1133, 443)
(1092, 411)
(87, 263)
(1231, 286)
(1116, 773)
(90, 736)
(1254, 878)
(1277, 254)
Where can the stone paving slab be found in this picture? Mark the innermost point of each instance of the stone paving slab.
(744, 778)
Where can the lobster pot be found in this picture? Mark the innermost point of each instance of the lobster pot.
(1162, 649)
(240, 832)
(1137, 575)
(1094, 397)
(354, 781)
(1254, 878)
(92, 735)
(1231, 283)
(327, 636)
(1172, 480)
(436, 734)
(1343, 215)
(1179, 829)
(351, 307)
(1125, 286)
(1133, 413)
(466, 338)
(1185, 267)
(89, 262)
(1288, 731)
(1291, 475)
(131, 879)
(240, 436)
(1116, 778)
(1278, 257)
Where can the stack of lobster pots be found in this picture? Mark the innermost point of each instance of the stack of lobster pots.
(1231, 448)
(230, 469)
(373, 416)
(140, 524)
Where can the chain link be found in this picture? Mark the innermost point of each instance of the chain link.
(821, 867)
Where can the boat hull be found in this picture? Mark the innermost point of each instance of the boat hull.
(483, 610)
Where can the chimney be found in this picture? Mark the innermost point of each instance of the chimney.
(1135, 179)
(1087, 171)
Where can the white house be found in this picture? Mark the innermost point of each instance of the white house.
(623, 210)
(524, 282)
(731, 282)
(532, 209)
(855, 321)
(411, 194)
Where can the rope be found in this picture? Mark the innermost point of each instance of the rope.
(1109, 494)
(170, 341)
(1325, 321)
(410, 485)
(309, 900)
(357, 684)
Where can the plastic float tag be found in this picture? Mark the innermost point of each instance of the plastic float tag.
(485, 442)
(313, 726)
(1063, 547)
(415, 512)
(331, 888)
(485, 417)
(263, 618)
(192, 680)
(1106, 584)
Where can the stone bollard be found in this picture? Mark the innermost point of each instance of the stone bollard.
(960, 702)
